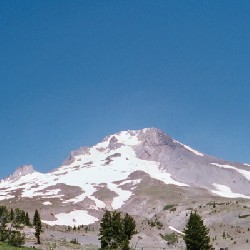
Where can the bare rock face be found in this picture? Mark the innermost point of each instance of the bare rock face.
(155, 137)
(114, 144)
(71, 158)
(153, 142)
(22, 171)
(188, 165)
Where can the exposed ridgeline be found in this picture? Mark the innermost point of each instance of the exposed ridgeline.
(20, 172)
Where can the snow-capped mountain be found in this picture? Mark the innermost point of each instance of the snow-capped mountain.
(109, 175)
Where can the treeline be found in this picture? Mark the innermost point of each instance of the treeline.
(17, 216)
(12, 223)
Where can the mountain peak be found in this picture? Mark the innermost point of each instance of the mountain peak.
(110, 173)
(22, 171)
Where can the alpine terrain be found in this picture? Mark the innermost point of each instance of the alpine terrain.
(146, 173)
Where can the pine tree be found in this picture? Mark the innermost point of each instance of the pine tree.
(196, 234)
(38, 231)
(11, 214)
(27, 219)
(38, 226)
(116, 231)
(17, 217)
(3, 211)
(23, 217)
(106, 231)
(36, 217)
(129, 226)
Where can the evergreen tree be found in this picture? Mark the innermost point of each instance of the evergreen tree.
(106, 231)
(38, 231)
(23, 217)
(27, 219)
(196, 234)
(17, 217)
(116, 231)
(3, 211)
(38, 226)
(11, 214)
(129, 226)
(36, 217)
(3, 231)
(17, 220)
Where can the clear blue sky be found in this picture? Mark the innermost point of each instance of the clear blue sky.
(72, 72)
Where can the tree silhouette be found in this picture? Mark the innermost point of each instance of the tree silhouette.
(196, 234)
(38, 226)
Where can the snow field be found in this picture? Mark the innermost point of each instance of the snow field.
(226, 191)
(74, 218)
(88, 178)
(245, 173)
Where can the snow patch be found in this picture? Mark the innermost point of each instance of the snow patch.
(128, 138)
(123, 195)
(74, 218)
(6, 197)
(48, 193)
(133, 182)
(176, 230)
(245, 173)
(226, 191)
(190, 149)
(46, 203)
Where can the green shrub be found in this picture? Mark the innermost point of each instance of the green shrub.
(3, 235)
(170, 238)
(167, 207)
(15, 238)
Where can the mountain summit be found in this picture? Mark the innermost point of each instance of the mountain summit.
(116, 171)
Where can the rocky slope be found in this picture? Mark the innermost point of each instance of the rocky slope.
(108, 174)
(138, 172)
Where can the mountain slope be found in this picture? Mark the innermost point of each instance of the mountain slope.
(109, 175)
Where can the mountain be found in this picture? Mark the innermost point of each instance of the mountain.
(132, 170)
